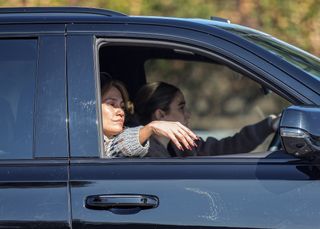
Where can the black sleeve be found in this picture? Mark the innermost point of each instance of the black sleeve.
(244, 141)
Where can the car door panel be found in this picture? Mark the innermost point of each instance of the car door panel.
(34, 195)
(192, 193)
(211, 194)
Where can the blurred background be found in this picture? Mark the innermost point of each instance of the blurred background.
(294, 21)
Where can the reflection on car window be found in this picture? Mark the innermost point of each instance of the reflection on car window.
(17, 77)
(295, 56)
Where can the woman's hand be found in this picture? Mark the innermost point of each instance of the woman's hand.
(175, 131)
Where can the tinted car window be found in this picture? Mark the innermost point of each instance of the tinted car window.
(18, 61)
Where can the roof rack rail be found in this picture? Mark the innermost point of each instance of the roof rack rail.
(220, 19)
(85, 10)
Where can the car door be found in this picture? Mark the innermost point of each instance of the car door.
(33, 132)
(278, 191)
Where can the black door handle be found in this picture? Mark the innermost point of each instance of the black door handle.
(121, 201)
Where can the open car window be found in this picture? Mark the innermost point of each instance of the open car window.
(221, 99)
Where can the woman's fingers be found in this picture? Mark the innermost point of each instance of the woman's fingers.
(190, 133)
(184, 135)
(181, 138)
(175, 140)
(187, 137)
(176, 132)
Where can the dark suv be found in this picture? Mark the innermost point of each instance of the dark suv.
(52, 174)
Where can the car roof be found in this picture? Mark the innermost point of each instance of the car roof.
(52, 10)
(74, 15)
(38, 15)
(54, 14)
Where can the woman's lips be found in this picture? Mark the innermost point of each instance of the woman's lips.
(119, 121)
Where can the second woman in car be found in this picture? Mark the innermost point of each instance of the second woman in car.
(163, 101)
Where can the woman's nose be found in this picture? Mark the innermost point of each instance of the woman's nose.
(120, 112)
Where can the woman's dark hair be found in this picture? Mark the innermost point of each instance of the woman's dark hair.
(153, 96)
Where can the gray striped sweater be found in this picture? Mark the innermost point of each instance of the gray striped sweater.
(125, 144)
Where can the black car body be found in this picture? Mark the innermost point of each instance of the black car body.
(52, 174)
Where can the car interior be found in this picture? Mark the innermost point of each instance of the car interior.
(221, 97)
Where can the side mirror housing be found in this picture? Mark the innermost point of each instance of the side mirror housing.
(300, 131)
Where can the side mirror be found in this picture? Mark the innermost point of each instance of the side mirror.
(300, 130)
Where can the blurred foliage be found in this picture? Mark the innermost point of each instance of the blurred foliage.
(294, 21)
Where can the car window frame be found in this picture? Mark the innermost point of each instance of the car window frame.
(51, 133)
(256, 76)
(110, 41)
(208, 42)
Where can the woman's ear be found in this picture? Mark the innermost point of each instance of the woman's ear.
(159, 114)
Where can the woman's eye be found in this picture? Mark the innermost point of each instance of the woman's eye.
(110, 103)
(114, 104)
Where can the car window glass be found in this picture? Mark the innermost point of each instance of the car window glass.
(18, 60)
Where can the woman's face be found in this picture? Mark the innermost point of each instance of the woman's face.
(178, 111)
(112, 112)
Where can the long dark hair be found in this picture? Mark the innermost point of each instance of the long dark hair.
(153, 96)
